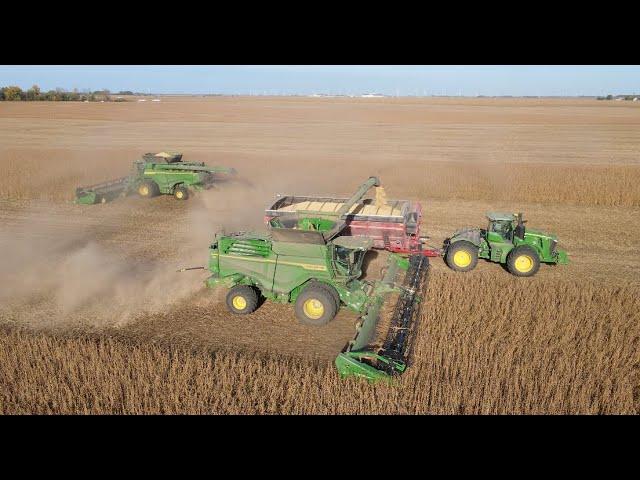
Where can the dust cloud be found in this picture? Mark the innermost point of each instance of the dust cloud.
(106, 265)
(51, 281)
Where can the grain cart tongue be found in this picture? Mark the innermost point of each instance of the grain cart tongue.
(381, 348)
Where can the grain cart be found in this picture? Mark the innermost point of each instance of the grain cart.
(308, 263)
(157, 173)
(507, 241)
(393, 225)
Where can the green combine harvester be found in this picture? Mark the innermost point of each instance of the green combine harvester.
(305, 261)
(156, 174)
(506, 241)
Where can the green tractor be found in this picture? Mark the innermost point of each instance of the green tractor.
(156, 174)
(305, 261)
(506, 241)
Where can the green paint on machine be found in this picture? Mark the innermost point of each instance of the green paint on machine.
(156, 174)
(305, 261)
(506, 240)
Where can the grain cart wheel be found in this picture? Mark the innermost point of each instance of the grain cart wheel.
(148, 189)
(523, 261)
(181, 193)
(242, 299)
(462, 256)
(315, 306)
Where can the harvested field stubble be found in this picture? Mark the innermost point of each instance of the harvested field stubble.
(565, 341)
(535, 347)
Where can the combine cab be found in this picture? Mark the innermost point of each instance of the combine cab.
(393, 225)
(157, 173)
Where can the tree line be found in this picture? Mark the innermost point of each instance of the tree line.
(16, 94)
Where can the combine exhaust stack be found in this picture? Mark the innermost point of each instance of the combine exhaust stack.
(362, 357)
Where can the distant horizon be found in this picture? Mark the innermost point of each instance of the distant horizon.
(356, 80)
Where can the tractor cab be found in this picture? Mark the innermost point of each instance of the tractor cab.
(504, 226)
(348, 254)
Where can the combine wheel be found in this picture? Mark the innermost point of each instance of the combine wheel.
(315, 306)
(242, 299)
(181, 193)
(523, 261)
(331, 290)
(462, 256)
(148, 189)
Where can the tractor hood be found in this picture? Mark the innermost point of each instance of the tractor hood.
(473, 235)
(537, 233)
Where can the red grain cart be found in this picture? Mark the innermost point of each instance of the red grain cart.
(395, 226)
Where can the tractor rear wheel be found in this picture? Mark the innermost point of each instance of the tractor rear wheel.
(462, 256)
(181, 193)
(148, 189)
(523, 261)
(242, 299)
(315, 306)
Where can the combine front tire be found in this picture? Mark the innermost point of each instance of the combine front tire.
(523, 261)
(462, 256)
(242, 299)
(331, 290)
(148, 189)
(315, 306)
(181, 193)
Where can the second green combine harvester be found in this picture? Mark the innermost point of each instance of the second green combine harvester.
(306, 261)
(156, 174)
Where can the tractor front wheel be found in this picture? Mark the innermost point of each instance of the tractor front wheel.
(242, 299)
(523, 261)
(315, 306)
(181, 193)
(462, 256)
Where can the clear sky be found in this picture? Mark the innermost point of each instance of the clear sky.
(341, 79)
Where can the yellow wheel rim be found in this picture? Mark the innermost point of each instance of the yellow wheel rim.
(179, 194)
(462, 258)
(524, 263)
(239, 302)
(313, 308)
(144, 190)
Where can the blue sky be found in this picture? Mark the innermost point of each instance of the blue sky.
(342, 79)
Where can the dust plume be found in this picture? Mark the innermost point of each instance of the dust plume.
(53, 276)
